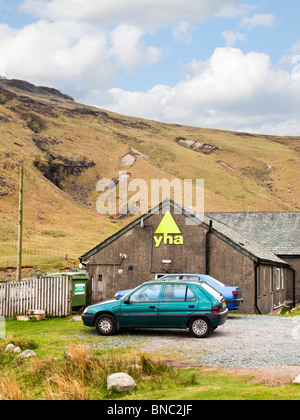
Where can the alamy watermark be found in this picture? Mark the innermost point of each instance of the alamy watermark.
(124, 197)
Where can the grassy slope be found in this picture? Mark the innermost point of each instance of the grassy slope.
(236, 177)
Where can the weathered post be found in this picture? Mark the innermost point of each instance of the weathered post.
(20, 230)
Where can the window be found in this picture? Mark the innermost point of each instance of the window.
(282, 279)
(190, 297)
(147, 293)
(100, 277)
(211, 290)
(181, 277)
(218, 282)
(211, 280)
(178, 293)
(271, 280)
(265, 280)
(278, 279)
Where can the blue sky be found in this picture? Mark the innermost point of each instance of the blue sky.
(227, 64)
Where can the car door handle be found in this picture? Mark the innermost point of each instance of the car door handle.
(191, 306)
(152, 307)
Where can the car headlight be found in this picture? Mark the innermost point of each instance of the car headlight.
(85, 311)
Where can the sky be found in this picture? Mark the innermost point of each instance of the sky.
(227, 64)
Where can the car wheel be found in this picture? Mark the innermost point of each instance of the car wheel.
(106, 325)
(200, 327)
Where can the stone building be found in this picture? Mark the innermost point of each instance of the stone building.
(277, 231)
(171, 239)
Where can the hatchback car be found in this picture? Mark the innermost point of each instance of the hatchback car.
(160, 304)
(232, 294)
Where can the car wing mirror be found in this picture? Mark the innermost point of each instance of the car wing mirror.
(127, 301)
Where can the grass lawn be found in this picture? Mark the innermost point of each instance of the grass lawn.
(51, 375)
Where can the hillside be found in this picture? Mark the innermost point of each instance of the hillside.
(66, 148)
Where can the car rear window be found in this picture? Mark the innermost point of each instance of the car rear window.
(211, 290)
(212, 280)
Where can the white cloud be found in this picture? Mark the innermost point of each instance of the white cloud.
(65, 52)
(194, 68)
(183, 32)
(79, 46)
(139, 12)
(231, 37)
(2, 66)
(231, 90)
(292, 59)
(284, 128)
(235, 10)
(266, 20)
(129, 50)
(52, 51)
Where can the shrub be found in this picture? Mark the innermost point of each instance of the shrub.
(35, 127)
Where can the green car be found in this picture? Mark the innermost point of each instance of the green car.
(159, 304)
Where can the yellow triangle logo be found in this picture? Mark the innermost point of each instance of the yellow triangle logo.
(167, 225)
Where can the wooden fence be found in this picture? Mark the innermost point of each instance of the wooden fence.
(53, 295)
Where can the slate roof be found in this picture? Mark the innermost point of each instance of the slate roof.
(231, 235)
(245, 243)
(277, 231)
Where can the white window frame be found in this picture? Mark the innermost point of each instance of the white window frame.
(282, 279)
(271, 281)
(278, 278)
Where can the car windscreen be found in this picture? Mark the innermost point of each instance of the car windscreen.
(211, 290)
(125, 294)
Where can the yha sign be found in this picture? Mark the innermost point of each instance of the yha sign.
(168, 232)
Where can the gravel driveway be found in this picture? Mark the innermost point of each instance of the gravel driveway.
(243, 341)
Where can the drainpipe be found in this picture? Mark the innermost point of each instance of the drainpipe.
(123, 257)
(208, 246)
(294, 286)
(256, 266)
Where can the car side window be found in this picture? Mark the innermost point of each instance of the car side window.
(190, 297)
(178, 293)
(147, 293)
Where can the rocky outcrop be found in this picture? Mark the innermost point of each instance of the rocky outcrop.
(38, 90)
(127, 160)
(57, 168)
(197, 146)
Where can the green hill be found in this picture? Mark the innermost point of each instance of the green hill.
(66, 148)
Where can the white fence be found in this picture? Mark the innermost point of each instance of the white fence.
(53, 295)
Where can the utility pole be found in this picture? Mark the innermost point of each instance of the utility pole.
(20, 231)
